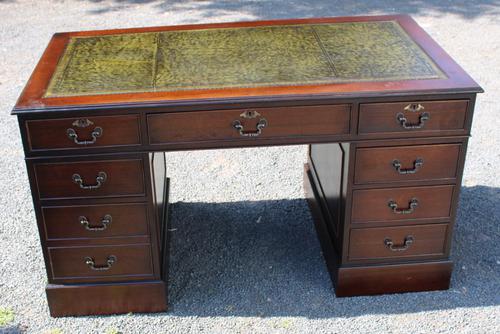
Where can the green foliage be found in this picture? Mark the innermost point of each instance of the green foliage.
(54, 331)
(113, 331)
(6, 316)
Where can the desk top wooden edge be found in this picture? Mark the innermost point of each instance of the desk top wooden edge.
(456, 80)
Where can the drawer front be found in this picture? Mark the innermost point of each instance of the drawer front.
(275, 122)
(406, 163)
(402, 203)
(425, 117)
(111, 262)
(397, 242)
(76, 133)
(95, 221)
(90, 179)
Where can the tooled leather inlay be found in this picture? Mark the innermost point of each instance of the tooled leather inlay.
(240, 57)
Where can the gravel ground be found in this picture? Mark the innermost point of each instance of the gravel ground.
(255, 266)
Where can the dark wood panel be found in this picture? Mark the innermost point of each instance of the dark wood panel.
(130, 262)
(165, 234)
(87, 299)
(161, 195)
(158, 170)
(95, 221)
(397, 242)
(423, 162)
(219, 124)
(387, 117)
(326, 239)
(122, 178)
(327, 161)
(63, 132)
(373, 204)
(397, 278)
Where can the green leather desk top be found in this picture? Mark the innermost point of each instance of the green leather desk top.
(239, 57)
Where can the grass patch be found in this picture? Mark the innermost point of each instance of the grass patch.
(6, 316)
(54, 331)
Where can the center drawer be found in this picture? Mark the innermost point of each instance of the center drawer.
(248, 123)
(108, 263)
(90, 179)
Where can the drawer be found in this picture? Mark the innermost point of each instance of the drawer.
(76, 133)
(95, 221)
(98, 262)
(90, 179)
(397, 242)
(276, 122)
(402, 203)
(426, 117)
(406, 163)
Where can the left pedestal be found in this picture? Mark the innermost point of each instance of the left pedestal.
(102, 221)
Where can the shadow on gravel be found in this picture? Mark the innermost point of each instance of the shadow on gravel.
(12, 329)
(265, 9)
(263, 259)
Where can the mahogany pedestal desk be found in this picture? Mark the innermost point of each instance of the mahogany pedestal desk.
(386, 112)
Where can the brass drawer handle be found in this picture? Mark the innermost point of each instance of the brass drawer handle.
(421, 121)
(109, 263)
(411, 207)
(260, 125)
(100, 179)
(399, 248)
(74, 136)
(414, 107)
(105, 221)
(419, 162)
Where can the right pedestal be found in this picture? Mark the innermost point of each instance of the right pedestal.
(384, 220)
